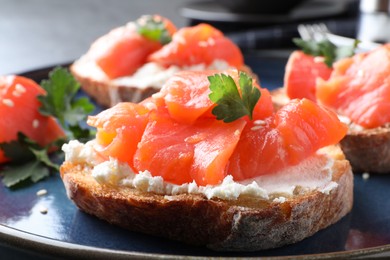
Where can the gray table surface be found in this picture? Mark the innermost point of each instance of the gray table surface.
(39, 33)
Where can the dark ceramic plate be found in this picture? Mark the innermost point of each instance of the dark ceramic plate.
(66, 232)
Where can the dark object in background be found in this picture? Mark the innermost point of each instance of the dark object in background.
(259, 6)
(256, 29)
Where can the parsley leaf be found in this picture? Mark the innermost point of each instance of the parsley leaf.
(29, 160)
(61, 102)
(153, 28)
(23, 149)
(32, 170)
(230, 104)
(326, 48)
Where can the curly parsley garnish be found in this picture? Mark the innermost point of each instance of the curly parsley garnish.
(29, 160)
(153, 28)
(327, 49)
(231, 105)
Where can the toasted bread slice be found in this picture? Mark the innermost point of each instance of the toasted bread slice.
(366, 149)
(243, 224)
(108, 92)
(103, 90)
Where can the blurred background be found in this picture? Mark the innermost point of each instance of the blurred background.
(39, 33)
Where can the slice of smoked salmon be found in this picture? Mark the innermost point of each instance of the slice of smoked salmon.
(123, 50)
(119, 129)
(181, 153)
(292, 134)
(19, 113)
(301, 73)
(359, 88)
(200, 44)
(264, 107)
(186, 96)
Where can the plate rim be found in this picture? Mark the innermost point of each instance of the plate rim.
(14, 238)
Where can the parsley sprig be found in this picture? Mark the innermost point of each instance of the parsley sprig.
(233, 104)
(327, 49)
(61, 102)
(29, 160)
(153, 28)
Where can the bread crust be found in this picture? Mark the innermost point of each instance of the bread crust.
(104, 92)
(108, 94)
(368, 150)
(224, 225)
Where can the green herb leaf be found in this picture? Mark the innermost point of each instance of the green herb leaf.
(17, 150)
(61, 102)
(81, 134)
(230, 104)
(29, 161)
(326, 48)
(42, 156)
(78, 111)
(153, 28)
(32, 170)
(61, 88)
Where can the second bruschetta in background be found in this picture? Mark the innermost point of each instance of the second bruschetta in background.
(133, 61)
(357, 88)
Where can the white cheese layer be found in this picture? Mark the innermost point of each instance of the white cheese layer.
(314, 173)
(149, 75)
(154, 75)
(351, 125)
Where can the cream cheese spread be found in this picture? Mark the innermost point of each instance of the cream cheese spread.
(351, 125)
(150, 74)
(153, 74)
(314, 173)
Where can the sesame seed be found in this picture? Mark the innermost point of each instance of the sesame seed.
(365, 176)
(16, 93)
(8, 102)
(35, 123)
(211, 41)
(43, 210)
(319, 59)
(41, 192)
(259, 122)
(254, 128)
(20, 88)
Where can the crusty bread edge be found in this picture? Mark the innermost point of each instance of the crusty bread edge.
(368, 150)
(107, 94)
(240, 225)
